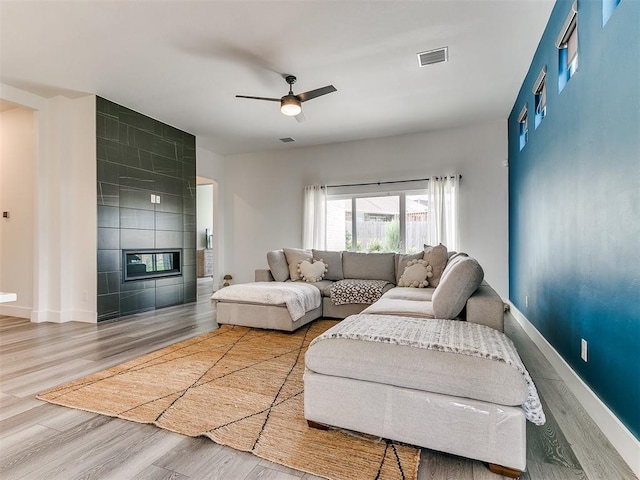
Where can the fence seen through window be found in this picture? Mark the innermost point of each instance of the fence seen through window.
(384, 223)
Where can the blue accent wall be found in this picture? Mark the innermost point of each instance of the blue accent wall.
(574, 204)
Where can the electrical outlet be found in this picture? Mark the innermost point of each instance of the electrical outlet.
(526, 300)
(583, 350)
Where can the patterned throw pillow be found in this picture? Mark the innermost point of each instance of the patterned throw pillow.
(312, 272)
(416, 274)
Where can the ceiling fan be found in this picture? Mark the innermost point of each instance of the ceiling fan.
(290, 104)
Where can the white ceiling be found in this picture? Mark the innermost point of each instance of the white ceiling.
(183, 62)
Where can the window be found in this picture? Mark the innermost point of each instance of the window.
(540, 92)
(567, 43)
(608, 6)
(388, 222)
(524, 126)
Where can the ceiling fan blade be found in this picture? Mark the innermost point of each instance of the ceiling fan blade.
(259, 98)
(316, 93)
(300, 117)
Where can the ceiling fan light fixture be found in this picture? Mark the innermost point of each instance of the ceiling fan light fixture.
(290, 105)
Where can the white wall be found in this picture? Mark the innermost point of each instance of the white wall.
(64, 235)
(263, 191)
(17, 179)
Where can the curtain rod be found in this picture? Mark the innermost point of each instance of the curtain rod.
(388, 182)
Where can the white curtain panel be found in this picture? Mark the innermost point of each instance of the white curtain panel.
(443, 212)
(315, 217)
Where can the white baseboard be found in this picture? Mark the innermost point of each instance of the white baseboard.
(14, 311)
(84, 316)
(616, 432)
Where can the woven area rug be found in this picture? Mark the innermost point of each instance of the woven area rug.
(240, 387)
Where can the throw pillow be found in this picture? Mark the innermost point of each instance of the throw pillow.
(437, 257)
(416, 274)
(294, 257)
(312, 272)
(402, 259)
(278, 265)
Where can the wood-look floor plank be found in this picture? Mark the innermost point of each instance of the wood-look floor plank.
(596, 455)
(546, 443)
(57, 449)
(156, 473)
(261, 472)
(11, 405)
(27, 418)
(281, 468)
(25, 439)
(199, 457)
(555, 472)
(37, 381)
(439, 466)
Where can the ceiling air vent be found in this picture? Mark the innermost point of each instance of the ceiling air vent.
(287, 140)
(430, 57)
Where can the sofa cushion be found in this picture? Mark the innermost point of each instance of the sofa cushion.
(324, 286)
(403, 308)
(312, 272)
(333, 261)
(369, 266)
(401, 262)
(437, 258)
(294, 257)
(278, 265)
(419, 369)
(422, 294)
(457, 284)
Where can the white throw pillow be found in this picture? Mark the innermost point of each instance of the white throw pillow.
(416, 274)
(312, 272)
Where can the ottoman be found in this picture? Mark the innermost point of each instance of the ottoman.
(451, 402)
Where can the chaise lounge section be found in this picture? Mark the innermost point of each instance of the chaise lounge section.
(446, 385)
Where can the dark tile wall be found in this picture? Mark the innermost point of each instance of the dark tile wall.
(137, 157)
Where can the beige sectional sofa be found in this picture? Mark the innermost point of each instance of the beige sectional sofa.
(442, 400)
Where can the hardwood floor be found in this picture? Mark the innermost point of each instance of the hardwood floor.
(43, 441)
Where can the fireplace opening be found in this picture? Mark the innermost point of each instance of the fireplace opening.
(151, 263)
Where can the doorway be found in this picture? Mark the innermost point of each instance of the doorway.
(206, 236)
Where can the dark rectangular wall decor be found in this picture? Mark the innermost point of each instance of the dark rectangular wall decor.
(146, 200)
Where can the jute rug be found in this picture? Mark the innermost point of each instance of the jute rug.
(240, 387)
